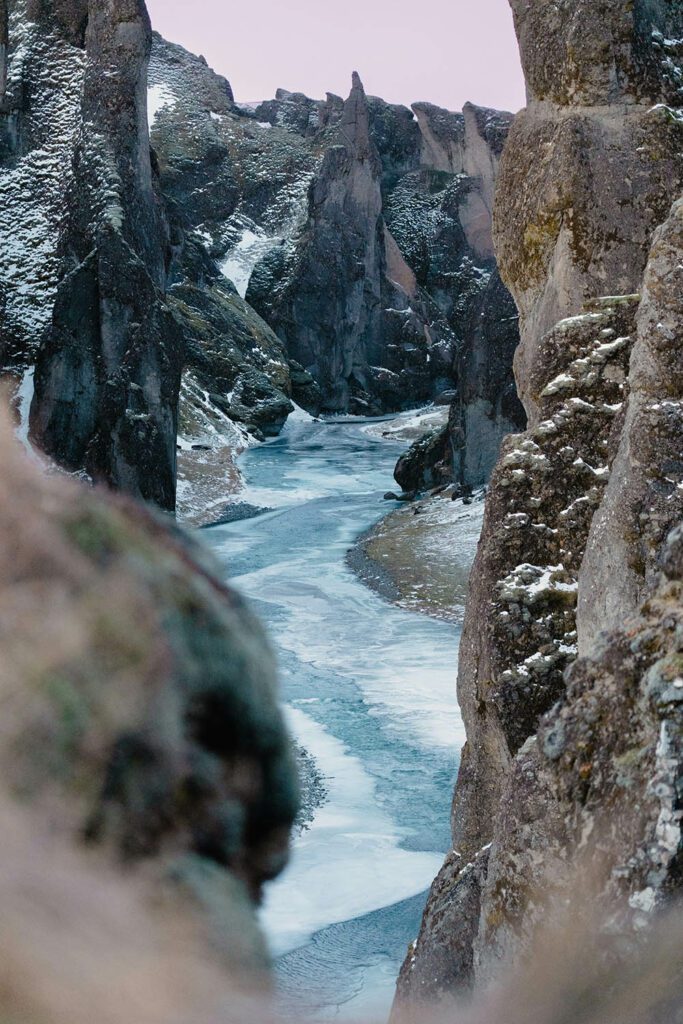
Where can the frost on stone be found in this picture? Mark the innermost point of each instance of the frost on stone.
(34, 186)
(209, 443)
(527, 584)
(247, 241)
(253, 243)
(160, 97)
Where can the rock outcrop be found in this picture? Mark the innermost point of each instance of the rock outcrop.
(237, 382)
(142, 723)
(574, 763)
(84, 292)
(644, 498)
(440, 213)
(251, 205)
(593, 163)
(397, 311)
(108, 296)
(343, 298)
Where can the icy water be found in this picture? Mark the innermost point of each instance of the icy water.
(370, 693)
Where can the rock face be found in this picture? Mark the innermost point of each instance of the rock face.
(105, 346)
(644, 498)
(415, 303)
(574, 762)
(342, 299)
(237, 381)
(431, 276)
(121, 297)
(142, 715)
(440, 212)
(594, 164)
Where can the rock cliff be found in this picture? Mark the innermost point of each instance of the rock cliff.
(572, 763)
(85, 245)
(263, 189)
(108, 294)
(344, 299)
(440, 213)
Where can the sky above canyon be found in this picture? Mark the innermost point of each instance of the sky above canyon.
(443, 51)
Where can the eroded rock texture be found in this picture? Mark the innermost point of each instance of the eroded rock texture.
(107, 294)
(398, 202)
(84, 291)
(576, 763)
(592, 164)
(440, 213)
(236, 380)
(645, 495)
(362, 230)
(343, 298)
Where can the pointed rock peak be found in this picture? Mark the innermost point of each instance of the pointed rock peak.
(355, 121)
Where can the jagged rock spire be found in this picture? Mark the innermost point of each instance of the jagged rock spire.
(354, 127)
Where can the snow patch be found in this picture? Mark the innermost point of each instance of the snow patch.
(253, 244)
(159, 97)
(24, 398)
(527, 583)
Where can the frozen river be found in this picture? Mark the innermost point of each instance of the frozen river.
(370, 693)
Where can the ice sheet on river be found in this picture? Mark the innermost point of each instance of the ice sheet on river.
(370, 692)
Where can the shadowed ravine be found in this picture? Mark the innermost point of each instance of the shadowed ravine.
(370, 691)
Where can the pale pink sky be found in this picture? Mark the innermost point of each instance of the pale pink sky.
(443, 51)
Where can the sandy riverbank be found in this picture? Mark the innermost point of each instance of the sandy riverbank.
(420, 555)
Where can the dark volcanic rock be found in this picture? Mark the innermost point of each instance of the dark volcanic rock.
(342, 297)
(362, 230)
(298, 113)
(233, 187)
(441, 217)
(427, 463)
(107, 377)
(439, 967)
(368, 334)
(84, 292)
(123, 292)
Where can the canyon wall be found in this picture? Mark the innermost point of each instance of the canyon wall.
(441, 215)
(107, 296)
(345, 301)
(85, 242)
(398, 201)
(572, 764)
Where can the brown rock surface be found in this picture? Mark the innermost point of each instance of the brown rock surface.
(575, 764)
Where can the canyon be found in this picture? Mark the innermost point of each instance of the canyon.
(227, 313)
(231, 204)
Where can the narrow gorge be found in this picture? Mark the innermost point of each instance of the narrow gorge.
(311, 406)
